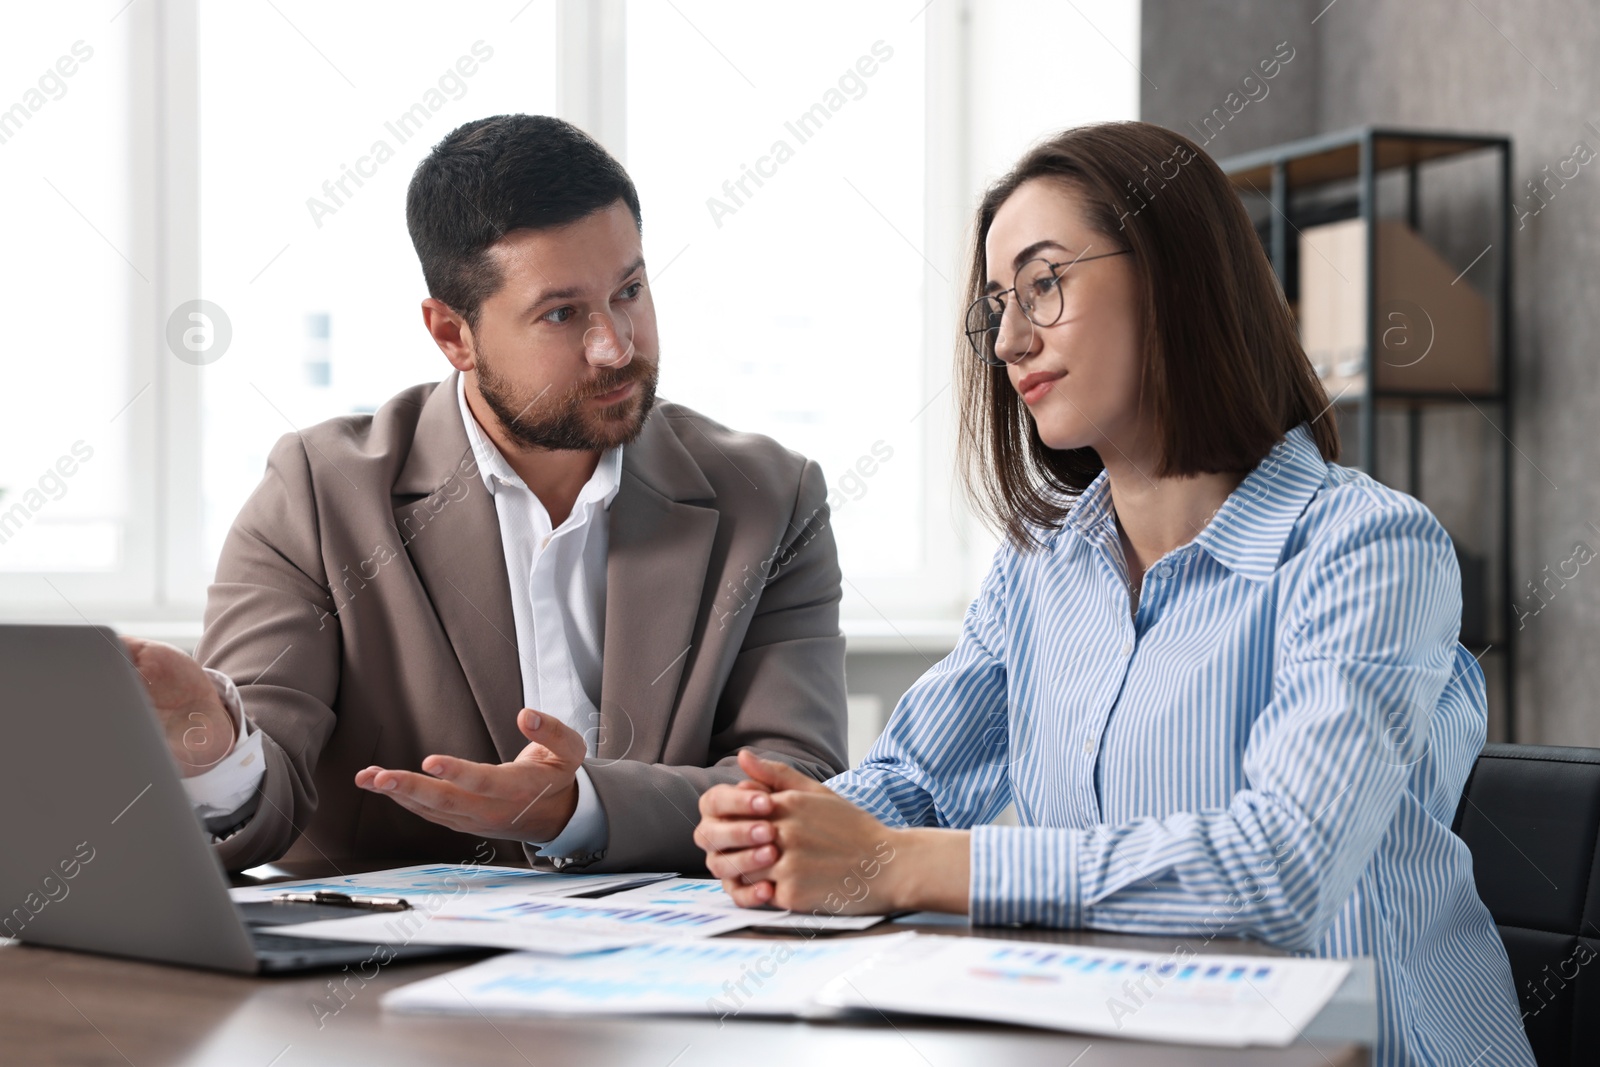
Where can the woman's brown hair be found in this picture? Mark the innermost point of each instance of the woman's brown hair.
(1223, 369)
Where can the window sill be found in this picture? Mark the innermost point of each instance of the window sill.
(863, 637)
(887, 637)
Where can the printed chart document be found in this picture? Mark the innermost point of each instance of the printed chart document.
(1209, 1000)
(449, 879)
(511, 919)
(707, 893)
(716, 978)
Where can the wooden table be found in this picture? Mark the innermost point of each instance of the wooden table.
(62, 1007)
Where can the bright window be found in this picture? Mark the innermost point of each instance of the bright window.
(303, 230)
(208, 236)
(74, 268)
(784, 224)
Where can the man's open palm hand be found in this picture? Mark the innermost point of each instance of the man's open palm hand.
(530, 798)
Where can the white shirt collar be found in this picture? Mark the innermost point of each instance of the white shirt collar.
(601, 487)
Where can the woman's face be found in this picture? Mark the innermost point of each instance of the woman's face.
(1079, 377)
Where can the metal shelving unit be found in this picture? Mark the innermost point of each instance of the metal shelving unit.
(1302, 182)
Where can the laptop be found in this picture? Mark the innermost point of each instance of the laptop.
(100, 849)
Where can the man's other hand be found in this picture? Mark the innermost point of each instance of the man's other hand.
(529, 799)
(199, 730)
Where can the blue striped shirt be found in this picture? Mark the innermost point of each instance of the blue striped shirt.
(1271, 746)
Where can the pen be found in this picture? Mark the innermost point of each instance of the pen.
(344, 900)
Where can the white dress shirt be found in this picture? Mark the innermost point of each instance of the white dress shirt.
(558, 600)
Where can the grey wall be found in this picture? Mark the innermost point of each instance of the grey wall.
(1522, 67)
(1195, 52)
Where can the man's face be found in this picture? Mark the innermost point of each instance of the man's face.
(566, 349)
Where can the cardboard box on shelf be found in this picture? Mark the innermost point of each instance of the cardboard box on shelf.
(1434, 330)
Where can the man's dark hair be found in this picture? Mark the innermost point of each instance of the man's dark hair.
(498, 174)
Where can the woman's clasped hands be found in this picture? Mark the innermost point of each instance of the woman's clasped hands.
(782, 839)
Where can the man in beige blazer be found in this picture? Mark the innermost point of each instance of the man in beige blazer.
(368, 650)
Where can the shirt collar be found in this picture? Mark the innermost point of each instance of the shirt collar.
(1091, 515)
(1248, 532)
(601, 487)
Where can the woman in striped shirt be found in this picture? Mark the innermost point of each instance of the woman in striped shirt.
(1217, 674)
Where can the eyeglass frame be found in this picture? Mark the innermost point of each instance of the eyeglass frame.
(998, 361)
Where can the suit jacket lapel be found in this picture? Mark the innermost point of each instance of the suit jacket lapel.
(447, 522)
(660, 546)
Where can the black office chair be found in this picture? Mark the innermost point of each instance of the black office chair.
(1531, 816)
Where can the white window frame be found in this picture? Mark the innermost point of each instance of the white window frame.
(158, 576)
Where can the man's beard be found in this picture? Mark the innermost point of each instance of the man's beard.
(567, 422)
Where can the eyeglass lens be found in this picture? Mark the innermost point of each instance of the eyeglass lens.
(1038, 291)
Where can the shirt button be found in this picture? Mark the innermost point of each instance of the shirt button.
(1127, 649)
(1088, 747)
(1164, 571)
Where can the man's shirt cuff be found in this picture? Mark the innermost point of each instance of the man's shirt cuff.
(586, 834)
(222, 791)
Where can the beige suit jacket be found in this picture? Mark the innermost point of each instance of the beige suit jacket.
(362, 606)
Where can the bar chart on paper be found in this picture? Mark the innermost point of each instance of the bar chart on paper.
(449, 879)
(708, 894)
(503, 920)
(684, 977)
(1213, 1000)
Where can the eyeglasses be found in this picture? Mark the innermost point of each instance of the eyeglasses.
(1038, 284)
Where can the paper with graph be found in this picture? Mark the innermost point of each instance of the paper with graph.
(1180, 996)
(448, 880)
(708, 893)
(510, 919)
(724, 978)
